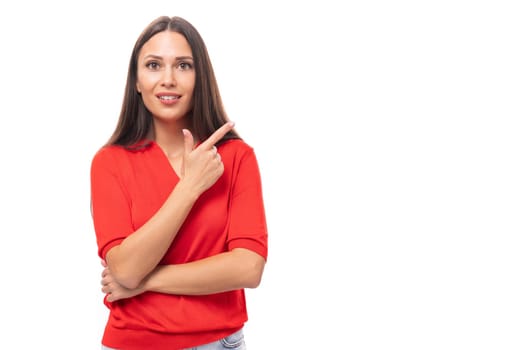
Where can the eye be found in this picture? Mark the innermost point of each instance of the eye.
(185, 66)
(153, 65)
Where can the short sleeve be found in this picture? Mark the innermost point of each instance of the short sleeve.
(110, 204)
(248, 228)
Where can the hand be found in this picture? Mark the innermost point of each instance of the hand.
(113, 289)
(202, 166)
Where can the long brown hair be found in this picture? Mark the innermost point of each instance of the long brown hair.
(208, 114)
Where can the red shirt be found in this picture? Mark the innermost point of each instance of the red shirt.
(127, 188)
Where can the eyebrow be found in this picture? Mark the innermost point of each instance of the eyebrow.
(178, 58)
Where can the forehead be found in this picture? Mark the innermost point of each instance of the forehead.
(166, 44)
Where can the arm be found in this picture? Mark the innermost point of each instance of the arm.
(236, 269)
(139, 253)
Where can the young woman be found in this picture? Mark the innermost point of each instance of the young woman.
(177, 204)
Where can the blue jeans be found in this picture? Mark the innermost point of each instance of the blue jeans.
(234, 341)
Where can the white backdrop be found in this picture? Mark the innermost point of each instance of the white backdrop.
(390, 141)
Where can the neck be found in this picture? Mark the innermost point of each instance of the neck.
(169, 138)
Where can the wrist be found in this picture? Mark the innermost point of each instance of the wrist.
(184, 189)
(148, 284)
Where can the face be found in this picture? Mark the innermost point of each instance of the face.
(166, 76)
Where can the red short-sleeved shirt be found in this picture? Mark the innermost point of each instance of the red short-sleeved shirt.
(127, 188)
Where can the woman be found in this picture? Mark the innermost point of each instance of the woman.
(177, 204)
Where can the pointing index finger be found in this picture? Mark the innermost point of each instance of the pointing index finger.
(218, 134)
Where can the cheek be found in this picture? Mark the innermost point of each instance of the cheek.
(190, 86)
(144, 81)
(141, 84)
(189, 81)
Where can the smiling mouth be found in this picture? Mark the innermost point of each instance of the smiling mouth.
(168, 98)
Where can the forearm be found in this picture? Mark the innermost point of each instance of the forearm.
(240, 268)
(141, 251)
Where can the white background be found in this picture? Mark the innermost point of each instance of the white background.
(390, 141)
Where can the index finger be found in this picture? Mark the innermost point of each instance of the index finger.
(218, 134)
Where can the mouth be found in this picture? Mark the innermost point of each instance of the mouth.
(168, 98)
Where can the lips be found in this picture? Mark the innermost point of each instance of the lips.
(168, 98)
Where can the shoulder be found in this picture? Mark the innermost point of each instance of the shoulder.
(107, 154)
(116, 153)
(238, 154)
(113, 158)
(235, 146)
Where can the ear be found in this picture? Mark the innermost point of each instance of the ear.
(138, 88)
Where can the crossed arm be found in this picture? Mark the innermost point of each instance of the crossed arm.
(236, 269)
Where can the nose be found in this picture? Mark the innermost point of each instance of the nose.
(168, 78)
